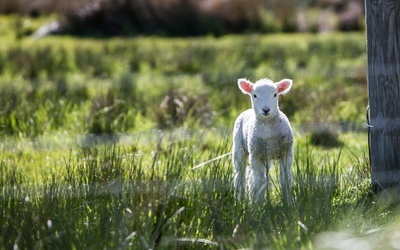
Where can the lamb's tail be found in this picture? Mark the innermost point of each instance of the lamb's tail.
(209, 161)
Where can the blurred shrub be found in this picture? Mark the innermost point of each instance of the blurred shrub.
(105, 114)
(116, 110)
(325, 137)
(165, 17)
(177, 109)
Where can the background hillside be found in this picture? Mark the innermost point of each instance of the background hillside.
(192, 17)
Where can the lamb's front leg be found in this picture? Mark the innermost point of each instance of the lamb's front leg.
(286, 175)
(257, 180)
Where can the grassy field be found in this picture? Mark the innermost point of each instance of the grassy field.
(103, 144)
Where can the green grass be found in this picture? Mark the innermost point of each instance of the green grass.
(108, 84)
(126, 196)
(103, 140)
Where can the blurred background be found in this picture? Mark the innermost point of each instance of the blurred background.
(191, 17)
(185, 48)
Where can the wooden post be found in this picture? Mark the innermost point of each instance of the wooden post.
(383, 50)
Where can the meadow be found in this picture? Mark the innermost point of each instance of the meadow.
(121, 143)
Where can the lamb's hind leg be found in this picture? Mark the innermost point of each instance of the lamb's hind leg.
(239, 162)
(286, 175)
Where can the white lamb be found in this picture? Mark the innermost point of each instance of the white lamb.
(264, 134)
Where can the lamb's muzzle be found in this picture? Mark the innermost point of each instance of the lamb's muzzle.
(266, 111)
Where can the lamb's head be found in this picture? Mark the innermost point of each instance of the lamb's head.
(264, 95)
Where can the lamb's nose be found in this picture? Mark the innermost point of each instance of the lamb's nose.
(266, 110)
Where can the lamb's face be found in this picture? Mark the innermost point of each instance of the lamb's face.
(264, 99)
(264, 95)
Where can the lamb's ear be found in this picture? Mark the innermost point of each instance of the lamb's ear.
(284, 86)
(245, 86)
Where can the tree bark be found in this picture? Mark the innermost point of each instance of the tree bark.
(383, 50)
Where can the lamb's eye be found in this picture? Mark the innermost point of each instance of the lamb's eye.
(255, 96)
(275, 95)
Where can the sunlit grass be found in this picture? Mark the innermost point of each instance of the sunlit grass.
(153, 196)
